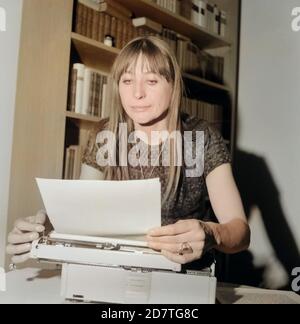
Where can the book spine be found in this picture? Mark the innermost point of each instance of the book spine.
(195, 12)
(72, 90)
(202, 14)
(216, 21)
(89, 23)
(107, 25)
(223, 23)
(92, 94)
(101, 29)
(119, 33)
(97, 94)
(79, 18)
(86, 91)
(67, 165)
(113, 30)
(210, 17)
(95, 24)
(79, 86)
(84, 20)
(186, 9)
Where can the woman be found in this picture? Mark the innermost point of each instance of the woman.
(146, 91)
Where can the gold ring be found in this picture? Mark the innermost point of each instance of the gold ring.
(185, 248)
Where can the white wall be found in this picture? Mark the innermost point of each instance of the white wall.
(9, 48)
(269, 112)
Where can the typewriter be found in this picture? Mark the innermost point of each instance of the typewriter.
(122, 270)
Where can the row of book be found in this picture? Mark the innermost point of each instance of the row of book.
(171, 5)
(200, 12)
(198, 62)
(97, 25)
(203, 110)
(73, 159)
(206, 15)
(87, 91)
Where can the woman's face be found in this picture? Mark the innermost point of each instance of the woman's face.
(145, 96)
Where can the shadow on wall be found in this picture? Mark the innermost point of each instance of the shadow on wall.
(258, 189)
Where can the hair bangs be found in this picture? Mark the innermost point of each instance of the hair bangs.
(153, 60)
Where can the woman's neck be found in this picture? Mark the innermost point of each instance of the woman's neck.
(160, 127)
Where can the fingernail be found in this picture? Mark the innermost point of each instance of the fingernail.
(40, 228)
(33, 236)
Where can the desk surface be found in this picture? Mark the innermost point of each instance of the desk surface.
(41, 286)
(32, 286)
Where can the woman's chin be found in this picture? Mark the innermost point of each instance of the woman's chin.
(142, 118)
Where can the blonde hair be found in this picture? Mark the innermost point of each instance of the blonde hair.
(161, 60)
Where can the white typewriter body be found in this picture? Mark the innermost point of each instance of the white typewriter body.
(114, 270)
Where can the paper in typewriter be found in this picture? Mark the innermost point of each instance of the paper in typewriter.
(102, 208)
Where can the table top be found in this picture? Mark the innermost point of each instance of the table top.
(32, 286)
(42, 286)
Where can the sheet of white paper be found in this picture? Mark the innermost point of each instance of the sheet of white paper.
(102, 208)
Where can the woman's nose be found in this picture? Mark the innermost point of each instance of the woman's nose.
(139, 91)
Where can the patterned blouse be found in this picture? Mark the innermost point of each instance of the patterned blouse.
(191, 199)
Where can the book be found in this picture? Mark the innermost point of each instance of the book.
(223, 23)
(104, 110)
(216, 22)
(79, 86)
(86, 91)
(202, 14)
(73, 162)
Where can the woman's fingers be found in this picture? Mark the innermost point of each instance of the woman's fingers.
(174, 229)
(20, 258)
(18, 249)
(182, 259)
(191, 236)
(197, 248)
(40, 217)
(24, 232)
(14, 238)
(175, 248)
(25, 226)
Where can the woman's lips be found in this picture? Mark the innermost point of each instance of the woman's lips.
(140, 108)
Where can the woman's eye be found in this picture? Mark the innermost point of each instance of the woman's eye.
(126, 81)
(152, 82)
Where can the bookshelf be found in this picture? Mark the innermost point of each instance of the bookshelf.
(90, 50)
(43, 126)
(202, 37)
(81, 117)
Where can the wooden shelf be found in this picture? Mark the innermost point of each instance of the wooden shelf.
(207, 83)
(82, 118)
(93, 53)
(199, 35)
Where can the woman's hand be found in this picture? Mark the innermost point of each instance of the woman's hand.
(24, 232)
(184, 241)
